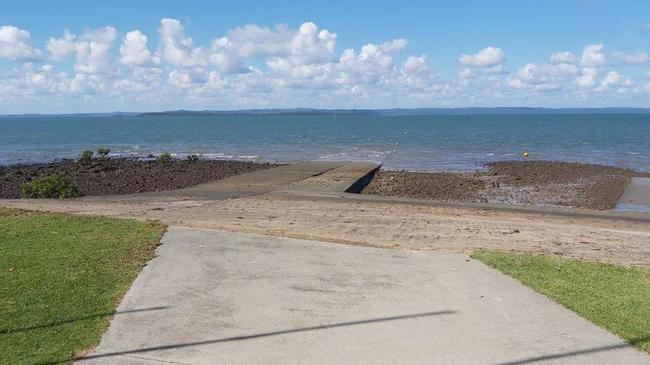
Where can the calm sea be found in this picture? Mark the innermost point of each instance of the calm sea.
(438, 142)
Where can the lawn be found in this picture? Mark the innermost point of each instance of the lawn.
(62, 277)
(614, 297)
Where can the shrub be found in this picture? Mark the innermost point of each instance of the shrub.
(86, 156)
(52, 186)
(192, 158)
(103, 151)
(164, 158)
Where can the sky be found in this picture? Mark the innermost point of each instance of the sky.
(91, 56)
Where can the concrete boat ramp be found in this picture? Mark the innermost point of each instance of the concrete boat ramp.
(636, 197)
(317, 177)
(217, 297)
(212, 297)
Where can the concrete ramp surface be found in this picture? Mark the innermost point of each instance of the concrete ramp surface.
(636, 197)
(211, 297)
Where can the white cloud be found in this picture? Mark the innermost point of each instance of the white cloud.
(309, 45)
(592, 56)
(13, 44)
(92, 50)
(134, 50)
(564, 57)
(547, 77)
(176, 48)
(613, 79)
(465, 73)
(280, 45)
(258, 66)
(60, 48)
(184, 78)
(396, 45)
(415, 65)
(631, 58)
(588, 77)
(486, 58)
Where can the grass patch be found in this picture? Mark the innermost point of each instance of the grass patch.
(614, 297)
(62, 277)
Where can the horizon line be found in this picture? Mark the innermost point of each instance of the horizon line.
(309, 109)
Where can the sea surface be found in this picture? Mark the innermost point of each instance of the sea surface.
(426, 143)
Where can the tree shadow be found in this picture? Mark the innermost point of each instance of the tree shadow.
(253, 336)
(6, 331)
(531, 360)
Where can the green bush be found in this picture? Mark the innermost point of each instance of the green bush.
(192, 158)
(103, 151)
(86, 156)
(164, 158)
(52, 186)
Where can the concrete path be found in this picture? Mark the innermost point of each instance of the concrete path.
(212, 297)
(311, 177)
(249, 184)
(636, 197)
(351, 176)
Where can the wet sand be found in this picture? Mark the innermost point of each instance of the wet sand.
(539, 183)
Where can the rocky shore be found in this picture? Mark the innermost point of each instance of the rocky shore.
(540, 183)
(112, 176)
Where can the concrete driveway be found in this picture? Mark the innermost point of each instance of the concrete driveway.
(212, 297)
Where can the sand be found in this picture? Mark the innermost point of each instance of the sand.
(387, 222)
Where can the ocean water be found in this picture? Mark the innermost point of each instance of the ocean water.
(427, 143)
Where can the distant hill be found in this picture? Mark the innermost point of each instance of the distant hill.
(387, 112)
(416, 111)
(511, 110)
(297, 111)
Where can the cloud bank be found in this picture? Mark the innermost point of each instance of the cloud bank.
(256, 66)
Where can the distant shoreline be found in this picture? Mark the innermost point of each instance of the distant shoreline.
(379, 112)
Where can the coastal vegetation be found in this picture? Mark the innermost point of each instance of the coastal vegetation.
(164, 158)
(103, 151)
(86, 156)
(62, 278)
(614, 297)
(57, 185)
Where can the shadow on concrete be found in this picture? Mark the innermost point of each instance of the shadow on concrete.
(531, 360)
(5, 331)
(253, 336)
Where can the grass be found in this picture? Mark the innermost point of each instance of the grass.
(61, 278)
(614, 297)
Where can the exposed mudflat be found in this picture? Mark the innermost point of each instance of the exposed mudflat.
(112, 176)
(541, 183)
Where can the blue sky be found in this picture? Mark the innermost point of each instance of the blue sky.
(374, 54)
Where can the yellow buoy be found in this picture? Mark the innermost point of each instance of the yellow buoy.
(525, 154)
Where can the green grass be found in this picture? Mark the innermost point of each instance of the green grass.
(614, 297)
(61, 278)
